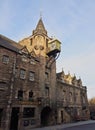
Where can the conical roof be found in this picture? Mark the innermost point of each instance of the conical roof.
(40, 29)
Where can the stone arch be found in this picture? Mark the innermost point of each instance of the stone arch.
(47, 116)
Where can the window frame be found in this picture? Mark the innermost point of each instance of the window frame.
(20, 95)
(31, 95)
(5, 59)
(22, 73)
(47, 91)
(31, 76)
(29, 112)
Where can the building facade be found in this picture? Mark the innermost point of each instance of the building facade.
(72, 98)
(31, 93)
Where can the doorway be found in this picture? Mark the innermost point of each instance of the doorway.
(14, 118)
(1, 113)
(62, 117)
(46, 116)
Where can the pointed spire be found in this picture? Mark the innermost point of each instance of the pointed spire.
(40, 29)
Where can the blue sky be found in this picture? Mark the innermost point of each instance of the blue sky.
(71, 21)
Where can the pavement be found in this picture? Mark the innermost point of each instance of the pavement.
(58, 127)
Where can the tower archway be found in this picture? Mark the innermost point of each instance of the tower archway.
(46, 116)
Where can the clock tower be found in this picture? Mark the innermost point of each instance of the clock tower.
(46, 49)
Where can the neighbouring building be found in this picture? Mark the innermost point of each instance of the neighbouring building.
(32, 94)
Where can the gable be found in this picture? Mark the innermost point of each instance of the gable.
(24, 50)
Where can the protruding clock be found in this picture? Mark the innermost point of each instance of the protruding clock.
(54, 46)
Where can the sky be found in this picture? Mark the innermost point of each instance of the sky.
(70, 21)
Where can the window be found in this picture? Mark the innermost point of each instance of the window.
(31, 76)
(70, 96)
(20, 95)
(26, 123)
(47, 91)
(46, 76)
(84, 101)
(5, 59)
(30, 95)
(28, 112)
(3, 84)
(64, 95)
(76, 97)
(31, 41)
(46, 42)
(22, 74)
(32, 61)
(24, 58)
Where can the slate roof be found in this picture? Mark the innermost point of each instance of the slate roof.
(9, 44)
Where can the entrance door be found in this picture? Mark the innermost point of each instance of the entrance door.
(1, 112)
(46, 116)
(61, 116)
(14, 118)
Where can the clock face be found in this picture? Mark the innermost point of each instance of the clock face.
(53, 46)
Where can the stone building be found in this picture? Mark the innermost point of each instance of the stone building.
(31, 93)
(72, 101)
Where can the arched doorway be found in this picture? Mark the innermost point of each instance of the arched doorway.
(46, 116)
